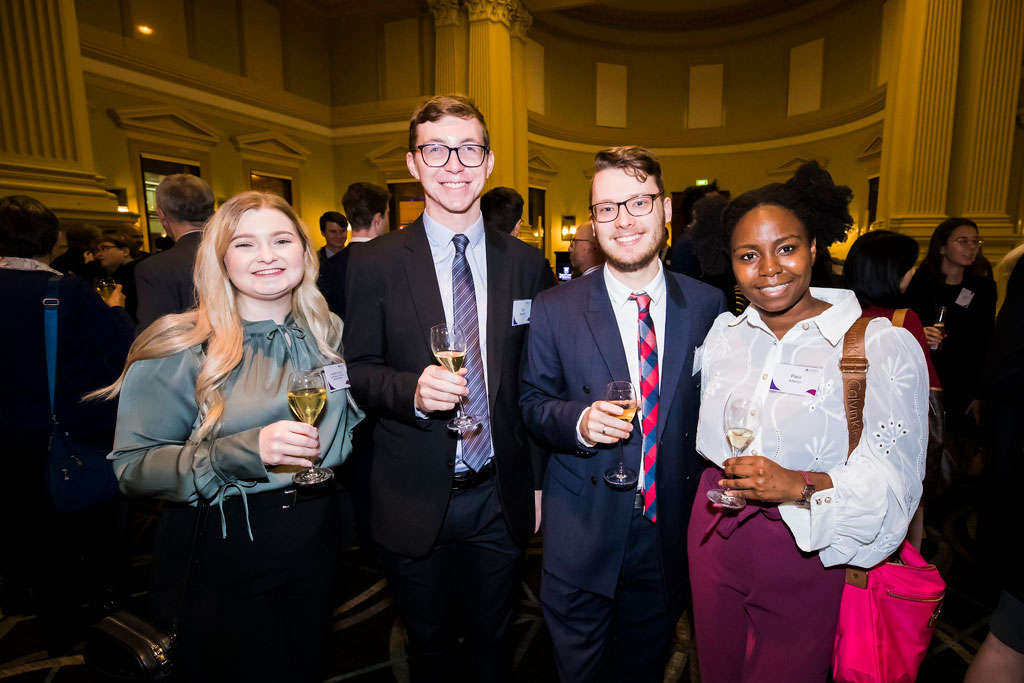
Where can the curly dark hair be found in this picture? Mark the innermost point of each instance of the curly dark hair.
(820, 205)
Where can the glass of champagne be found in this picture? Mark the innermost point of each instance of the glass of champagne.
(105, 286)
(622, 394)
(742, 418)
(449, 346)
(307, 397)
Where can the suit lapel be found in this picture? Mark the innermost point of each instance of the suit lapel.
(675, 356)
(499, 307)
(605, 329)
(419, 271)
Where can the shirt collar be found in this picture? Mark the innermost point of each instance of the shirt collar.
(832, 323)
(18, 263)
(441, 236)
(619, 293)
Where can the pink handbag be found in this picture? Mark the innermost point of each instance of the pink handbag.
(887, 614)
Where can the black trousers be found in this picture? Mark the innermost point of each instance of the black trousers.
(256, 610)
(624, 638)
(466, 586)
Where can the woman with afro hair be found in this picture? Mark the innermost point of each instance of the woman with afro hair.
(767, 579)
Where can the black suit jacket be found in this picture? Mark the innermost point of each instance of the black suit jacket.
(164, 281)
(333, 275)
(393, 301)
(575, 351)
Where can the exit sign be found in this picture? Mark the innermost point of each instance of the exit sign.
(702, 181)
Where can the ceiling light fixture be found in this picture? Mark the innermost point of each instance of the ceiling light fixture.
(144, 30)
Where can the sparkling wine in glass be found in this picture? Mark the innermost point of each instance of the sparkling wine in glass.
(307, 397)
(622, 394)
(449, 346)
(105, 286)
(742, 418)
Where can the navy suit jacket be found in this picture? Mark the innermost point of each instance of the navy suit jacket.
(164, 281)
(574, 351)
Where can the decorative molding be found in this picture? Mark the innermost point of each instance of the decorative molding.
(871, 149)
(521, 20)
(785, 171)
(446, 12)
(491, 10)
(271, 147)
(540, 169)
(389, 159)
(167, 125)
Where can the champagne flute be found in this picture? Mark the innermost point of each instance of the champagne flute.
(623, 395)
(742, 418)
(307, 397)
(105, 286)
(449, 346)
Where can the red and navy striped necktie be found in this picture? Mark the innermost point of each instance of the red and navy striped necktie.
(648, 349)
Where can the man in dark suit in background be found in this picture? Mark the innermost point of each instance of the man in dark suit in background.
(452, 514)
(614, 561)
(164, 280)
(334, 228)
(368, 213)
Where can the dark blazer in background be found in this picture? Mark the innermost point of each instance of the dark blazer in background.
(575, 350)
(333, 272)
(393, 301)
(164, 281)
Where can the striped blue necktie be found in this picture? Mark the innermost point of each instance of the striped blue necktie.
(476, 444)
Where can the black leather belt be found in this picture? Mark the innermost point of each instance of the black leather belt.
(470, 479)
(289, 497)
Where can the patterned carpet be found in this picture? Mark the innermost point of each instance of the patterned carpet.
(370, 642)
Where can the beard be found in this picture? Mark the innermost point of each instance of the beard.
(641, 261)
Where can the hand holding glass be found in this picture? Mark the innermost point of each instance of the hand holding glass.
(307, 397)
(623, 395)
(742, 418)
(105, 286)
(449, 346)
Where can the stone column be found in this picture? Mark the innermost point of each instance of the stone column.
(520, 24)
(992, 45)
(45, 144)
(490, 79)
(918, 134)
(449, 47)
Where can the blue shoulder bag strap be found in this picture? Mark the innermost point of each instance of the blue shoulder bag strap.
(50, 305)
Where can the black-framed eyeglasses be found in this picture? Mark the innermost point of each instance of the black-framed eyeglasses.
(969, 242)
(435, 154)
(640, 205)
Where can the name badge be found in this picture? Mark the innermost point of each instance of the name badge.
(698, 360)
(795, 379)
(964, 299)
(336, 377)
(521, 312)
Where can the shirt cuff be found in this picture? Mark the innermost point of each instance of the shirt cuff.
(579, 434)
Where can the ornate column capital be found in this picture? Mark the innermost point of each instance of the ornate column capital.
(446, 12)
(493, 10)
(521, 20)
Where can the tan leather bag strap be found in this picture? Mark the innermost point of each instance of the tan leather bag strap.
(854, 368)
(898, 316)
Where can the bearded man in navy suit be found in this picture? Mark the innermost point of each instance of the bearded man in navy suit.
(614, 561)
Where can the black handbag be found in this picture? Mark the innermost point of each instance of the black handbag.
(126, 647)
(78, 475)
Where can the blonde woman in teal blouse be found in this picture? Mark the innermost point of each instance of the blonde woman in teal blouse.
(204, 414)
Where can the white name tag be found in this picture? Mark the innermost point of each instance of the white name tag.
(336, 377)
(795, 379)
(521, 311)
(698, 359)
(964, 299)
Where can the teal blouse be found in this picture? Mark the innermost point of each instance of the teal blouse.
(158, 410)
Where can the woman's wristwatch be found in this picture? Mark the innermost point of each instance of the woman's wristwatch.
(809, 489)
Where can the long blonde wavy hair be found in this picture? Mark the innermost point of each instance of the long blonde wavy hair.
(215, 321)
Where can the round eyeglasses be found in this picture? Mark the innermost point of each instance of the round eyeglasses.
(640, 205)
(435, 154)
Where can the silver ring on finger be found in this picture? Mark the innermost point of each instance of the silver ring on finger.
(604, 430)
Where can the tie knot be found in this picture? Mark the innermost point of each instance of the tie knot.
(461, 242)
(642, 300)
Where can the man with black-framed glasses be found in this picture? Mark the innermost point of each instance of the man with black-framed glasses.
(451, 511)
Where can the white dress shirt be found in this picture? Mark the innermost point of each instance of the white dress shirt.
(864, 517)
(627, 318)
(442, 249)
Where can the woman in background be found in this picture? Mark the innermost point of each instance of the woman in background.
(878, 270)
(205, 415)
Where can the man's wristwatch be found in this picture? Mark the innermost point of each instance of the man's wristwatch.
(809, 489)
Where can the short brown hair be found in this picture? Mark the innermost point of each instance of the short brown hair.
(635, 161)
(439, 106)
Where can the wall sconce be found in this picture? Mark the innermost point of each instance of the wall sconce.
(568, 227)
